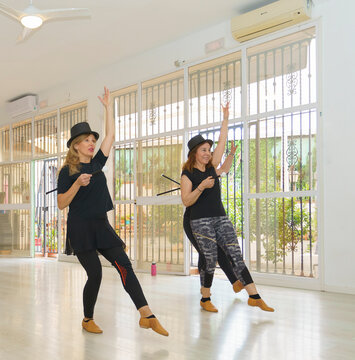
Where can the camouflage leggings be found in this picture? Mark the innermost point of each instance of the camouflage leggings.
(209, 232)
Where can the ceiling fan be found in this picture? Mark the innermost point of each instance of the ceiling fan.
(32, 18)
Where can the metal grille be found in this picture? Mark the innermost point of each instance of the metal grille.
(282, 128)
(159, 227)
(126, 112)
(282, 73)
(70, 116)
(5, 184)
(160, 236)
(21, 232)
(5, 144)
(6, 234)
(214, 83)
(282, 153)
(279, 119)
(45, 134)
(63, 224)
(46, 210)
(63, 214)
(283, 235)
(124, 226)
(22, 140)
(156, 157)
(124, 169)
(15, 183)
(15, 225)
(139, 166)
(124, 194)
(163, 104)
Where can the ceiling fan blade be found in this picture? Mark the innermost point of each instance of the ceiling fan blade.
(10, 11)
(26, 32)
(64, 13)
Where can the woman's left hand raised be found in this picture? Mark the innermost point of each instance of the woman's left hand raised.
(106, 98)
(225, 110)
(233, 148)
(233, 151)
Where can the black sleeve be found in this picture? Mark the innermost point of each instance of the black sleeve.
(187, 173)
(64, 182)
(99, 159)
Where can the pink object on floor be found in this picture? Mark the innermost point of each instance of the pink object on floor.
(153, 269)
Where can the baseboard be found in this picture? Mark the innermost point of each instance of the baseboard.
(339, 289)
(287, 281)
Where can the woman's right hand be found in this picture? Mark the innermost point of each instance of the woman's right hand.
(84, 179)
(207, 183)
(225, 110)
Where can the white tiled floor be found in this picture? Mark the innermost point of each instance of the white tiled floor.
(41, 312)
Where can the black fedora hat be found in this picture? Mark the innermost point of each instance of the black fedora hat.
(81, 129)
(197, 140)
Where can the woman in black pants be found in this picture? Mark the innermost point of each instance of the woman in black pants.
(222, 258)
(200, 191)
(82, 186)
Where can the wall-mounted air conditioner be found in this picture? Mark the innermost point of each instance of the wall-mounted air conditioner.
(22, 105)
(269, 18)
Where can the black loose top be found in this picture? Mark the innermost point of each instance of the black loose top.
(90, 201)
(209, 204)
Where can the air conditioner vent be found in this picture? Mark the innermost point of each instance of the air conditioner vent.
(22, 105)
(270, 18)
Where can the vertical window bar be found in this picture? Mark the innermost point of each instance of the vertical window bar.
(310, 237)
(275, 200)
(165, 128)
(171, 106)
(198, 98)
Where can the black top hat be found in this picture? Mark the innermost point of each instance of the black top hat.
(197, 140)
(81, 129)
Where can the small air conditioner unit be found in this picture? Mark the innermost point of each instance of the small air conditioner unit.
(22, 105)
(269, 18)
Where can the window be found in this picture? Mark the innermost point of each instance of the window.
(282, 128)
(270, 196)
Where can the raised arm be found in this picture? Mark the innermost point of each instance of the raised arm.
(110, 123)
(219, 150)
(228, 161)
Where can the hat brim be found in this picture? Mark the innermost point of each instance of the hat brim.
(202, 142)
(89, 133)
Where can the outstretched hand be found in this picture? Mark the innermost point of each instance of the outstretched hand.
(106, 98)
(225, 110)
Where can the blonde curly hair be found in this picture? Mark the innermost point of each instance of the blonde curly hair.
(72, 159)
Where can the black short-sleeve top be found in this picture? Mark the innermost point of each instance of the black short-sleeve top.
(209, 204)
(90, 201)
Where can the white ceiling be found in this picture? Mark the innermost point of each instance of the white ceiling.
(62, 50)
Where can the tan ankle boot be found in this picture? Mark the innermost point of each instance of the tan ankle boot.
(91, 327)
(208, 306)
(238, 286)
(153, 324)
(260, 303)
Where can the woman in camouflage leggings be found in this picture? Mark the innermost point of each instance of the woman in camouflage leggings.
(201, 194)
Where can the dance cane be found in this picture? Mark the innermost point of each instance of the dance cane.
(104, 169)
(169, 191)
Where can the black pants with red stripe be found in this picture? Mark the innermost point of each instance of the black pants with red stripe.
(119, 260)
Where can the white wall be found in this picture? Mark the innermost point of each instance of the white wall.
(338, 54)
(338, 196)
